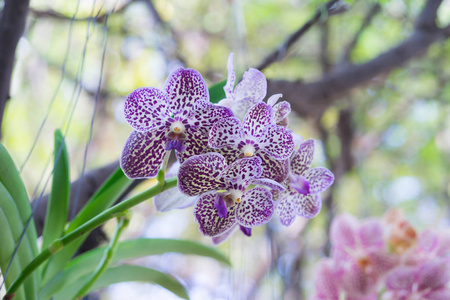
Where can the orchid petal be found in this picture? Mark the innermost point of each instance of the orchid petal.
(327, 280)
(343, 231)
(268, 183)
(172, 199)
(308, 205)
(196, 143)
(143, 153)
(228, 88)
(206, 215)
(401, 278)
(256, 208)
(243, 170)
(281, 111)
(221, 206)
(145, 108)
(205, 114)
(441, 294)
(274, 169)
(226, 132)
(252, 88)
(287, 209)
(302, 159)
(434, 274)
(428, 241)
(370, 233)
(277, 142)
(273, 99)
(319, 179)
(223, 237)
(382, 261)
(201, 173)
(357, 283)
(184, 87)
(257, 119)
(230, 153)
(245, 230)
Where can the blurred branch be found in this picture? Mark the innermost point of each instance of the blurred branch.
(332, 7)
(12, 25)
(311, 99)
(366, 22)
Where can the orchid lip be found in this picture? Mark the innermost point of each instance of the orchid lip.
(300, 184)
(248, 150)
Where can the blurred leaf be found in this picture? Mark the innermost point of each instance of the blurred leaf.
(126, 273)
(87, 262)
(58, 201)
(216, 92)
(14, 213)
(107, 194)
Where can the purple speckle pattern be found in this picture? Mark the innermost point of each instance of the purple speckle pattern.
(206, 114)
(196, 143)
(257, 119)
(274, 169)
(146, 108)
(207, 216)
(319, 179)
(143, 153)
(256, 208)
(201, 173)
(228, 88)
(251, 90)
(281, 111)
(302, 159)
(243, 170)
(225, 132)
(287, 209)
(184, 87)
(308, 206)
(277, 142)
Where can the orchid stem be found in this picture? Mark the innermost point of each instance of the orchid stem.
(84, 229)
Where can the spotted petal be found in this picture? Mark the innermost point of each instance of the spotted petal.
(205, 114)
(286, 209)
(302, 159)
(256, 208)
(401, 278)
(184, 87)
(201, 173)
(308, 206)
(207, 217)
(226, 132)
(281, 111)
(223, 237)
(319, 179)
(257, 119)
(196, 143)
(143, 153)
(273, 168)
(228, 88)
(252, 88)
(146, 108)
(272, 184)
(277, 142)
(243, 170)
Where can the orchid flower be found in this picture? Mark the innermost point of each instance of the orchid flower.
(177, 117)
(224, 195)
(304, 185)
(251, 90)
(258, 136)
(281, 110)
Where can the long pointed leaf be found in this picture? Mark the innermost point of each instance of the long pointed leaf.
(58, 201)
(127, 273)
(86, 263)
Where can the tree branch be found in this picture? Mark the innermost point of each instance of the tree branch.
(12, 26)
(311, 99)
(281, 52)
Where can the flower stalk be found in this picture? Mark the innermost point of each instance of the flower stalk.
(86, 228)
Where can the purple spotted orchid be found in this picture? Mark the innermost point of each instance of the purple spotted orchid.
(175, 118)
(225, 199)
(257, 135)
(302, 197)
(251, 90)
(281, 110)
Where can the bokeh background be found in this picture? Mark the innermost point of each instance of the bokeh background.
(388, 141)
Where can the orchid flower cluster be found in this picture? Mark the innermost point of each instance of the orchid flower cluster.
(238, 164)
(384, 259)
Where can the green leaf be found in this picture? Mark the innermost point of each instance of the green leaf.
(58, 201)
(15, 211)
(107, 194)
(87, 262)
(126, 273)
(216, 92)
